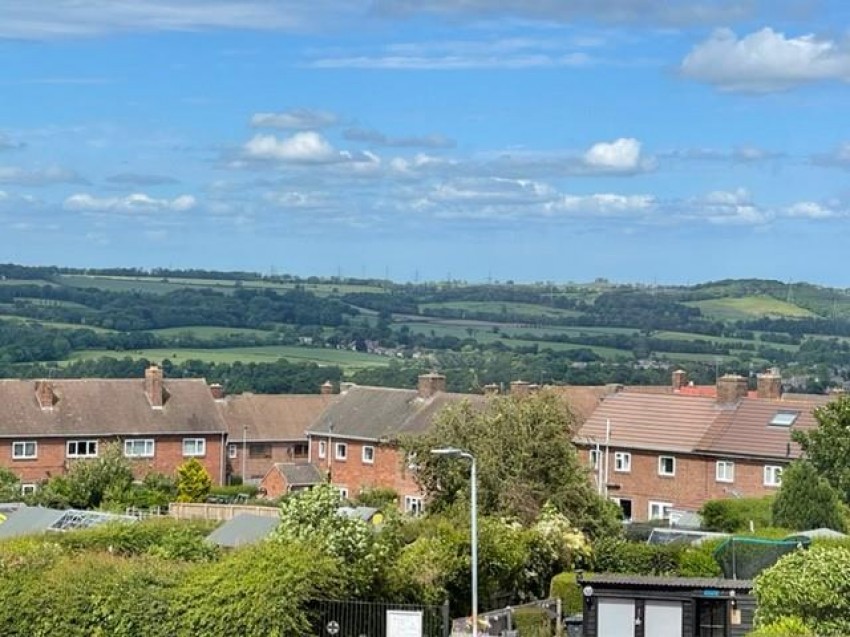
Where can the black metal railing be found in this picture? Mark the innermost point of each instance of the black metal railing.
(353, 618)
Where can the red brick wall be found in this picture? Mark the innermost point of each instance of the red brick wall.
(274, 484)
(387, 471)
(693, 484)
(51, 460)
(257, 468)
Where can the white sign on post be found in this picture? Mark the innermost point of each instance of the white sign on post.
(404, 623)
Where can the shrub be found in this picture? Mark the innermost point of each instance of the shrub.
(812, 585)
(533, 622)
(619, 556)
(806, 500)
(565, 587)
(698, 562)
(732, 515)
(378, 497)
(193, 481)
(783, 627)
(142, 537)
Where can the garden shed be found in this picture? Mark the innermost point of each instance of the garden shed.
(617, 605)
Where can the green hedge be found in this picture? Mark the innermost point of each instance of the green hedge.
(735, 514)
(532, 622)
(565, 587)
(621, 556)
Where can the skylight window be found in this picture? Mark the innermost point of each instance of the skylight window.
(784, 418)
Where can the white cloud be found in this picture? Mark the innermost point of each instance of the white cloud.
(134, 203)
(493, 190)
(766, 61)
(306, 147)
(723, 207)
(296, 119)
(378, 138)
(838, 158)
(620, 155)
(38, 176)
(813, 210)
(604, 204)
(747, 154)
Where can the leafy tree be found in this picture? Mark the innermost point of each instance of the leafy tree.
(812, 585)
(827, 446)
(10, 485)
(806, 500)
(91, 483)
(525, 458)
(193, 481)
(313, 517)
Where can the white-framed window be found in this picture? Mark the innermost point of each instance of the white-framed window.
(341, 451)
(323, 448)
(659, 510)
(139, 448)
(368, 454)
(343, 493)
(622, 461)
(28, 488)
(772, 475)
(666, 466)
(232, 450)
(595, 457)
(25, 450)
(194, 447)
(413, 504)
(724, 471)
(81, 449)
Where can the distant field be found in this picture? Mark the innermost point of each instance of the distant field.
(321, 356)
(208, 332)
(54, 324)
(497, 307)
(25, 282)
(748, 307)
(156, 285)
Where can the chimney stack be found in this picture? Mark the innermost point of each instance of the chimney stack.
(769, 385)
(327, 388)
(430, 384)
(491, 389)
(680, 379)
(217, 391)
(44, 394)
(153, 386)
(520, 388)
(730, 389)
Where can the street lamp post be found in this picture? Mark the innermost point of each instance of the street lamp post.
(453, 452)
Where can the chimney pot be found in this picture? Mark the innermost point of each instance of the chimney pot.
(430, 384)
(520, 388)
(730, 389)
(217, 391)
(327, 388)
(154, 387)
(491, 389)
(769, 385)
(45, 395)
(679, 379)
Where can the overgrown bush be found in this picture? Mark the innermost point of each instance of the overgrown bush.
(811, 585)
(783, 627)
(620, 556)
(735, 514)
(565, 587)
(167, 537)
(533, 622)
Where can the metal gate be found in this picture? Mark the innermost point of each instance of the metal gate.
(352, 618)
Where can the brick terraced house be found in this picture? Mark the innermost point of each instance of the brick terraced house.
(45, 425)
(267, 429)
(355, 440)
(655, 453)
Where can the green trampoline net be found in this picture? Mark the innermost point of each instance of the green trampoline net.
(746, 557)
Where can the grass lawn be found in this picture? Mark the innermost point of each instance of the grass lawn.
(321, 356)
(747, 307)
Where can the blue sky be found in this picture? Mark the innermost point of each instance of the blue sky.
(533, 140)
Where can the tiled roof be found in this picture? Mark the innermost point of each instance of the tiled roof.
(652, 581)
(377, 413)
(746, 429)
(582, 399)
(300, 474)
(650, 421)
(272, 417)
(100, 407)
